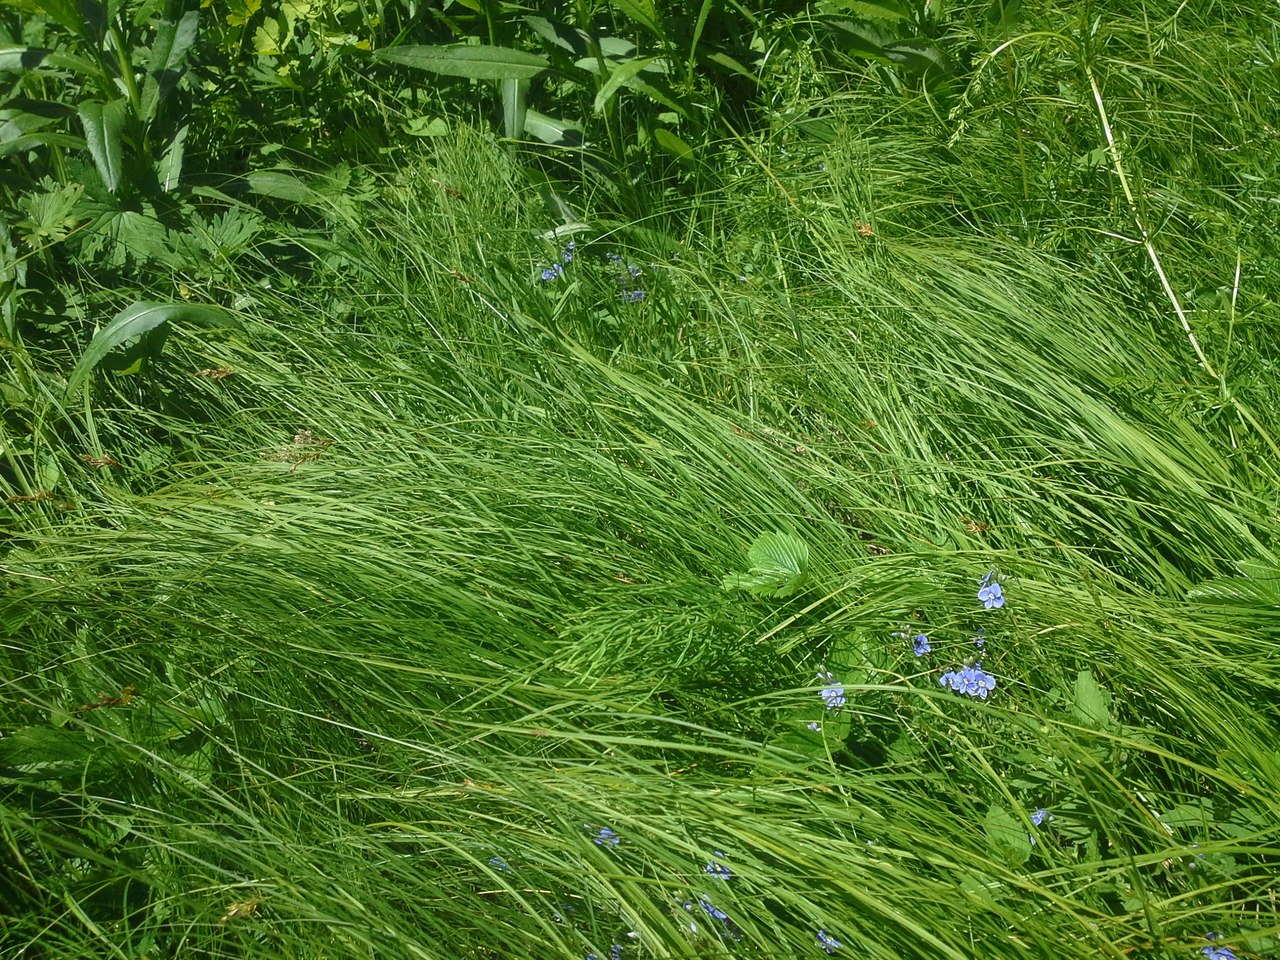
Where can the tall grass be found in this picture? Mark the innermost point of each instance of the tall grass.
(366, 642)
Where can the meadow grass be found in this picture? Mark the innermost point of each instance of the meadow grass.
(368, 641)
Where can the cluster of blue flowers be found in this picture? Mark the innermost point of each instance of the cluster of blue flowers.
(604, 836)
(718, 869)
(557, 268)
(972, 680)
(828, 943)
(625, 277)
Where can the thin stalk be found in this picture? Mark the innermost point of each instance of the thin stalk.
(1140, 220)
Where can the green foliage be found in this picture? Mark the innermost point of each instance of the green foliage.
(402, 571)
(779, 566)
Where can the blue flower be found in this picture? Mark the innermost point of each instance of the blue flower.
(833, 692)
(500, 865)
(971, 680)
(713, 910)
(551, 272)
(1217, 953)
(632, 296)
(991, 595)
(921, 644)
(1040, 816)
(603, 836)
(828, 943)
(980, 640)
(718, 869)
(567, 253)
(815, 726)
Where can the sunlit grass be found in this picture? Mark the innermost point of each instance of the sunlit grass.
(434, 577)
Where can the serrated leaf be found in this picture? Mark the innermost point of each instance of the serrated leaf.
(642, 12)
(779, 566)
(1007, 839)
(104, 134)
(466, 60)
(885, 12)
(1092, 704)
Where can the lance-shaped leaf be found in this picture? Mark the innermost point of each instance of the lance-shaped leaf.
(174, 39)
(465, 60)
(137, 331)
(104, 133)
(620, 77)
(779, 566)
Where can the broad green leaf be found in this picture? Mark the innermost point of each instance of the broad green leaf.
(779, 566)
(1008, 840)
(135, 328)
(620, 77)
(569, 39)
(45, 752)
(104, 134)
(552, 130)
(19, 59)
(46, 137)
(672, 144)
(465, 60)
(282, 185)
(173, 42)
(887, 12)
(1092, 704)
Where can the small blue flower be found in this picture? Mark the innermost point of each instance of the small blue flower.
(971, 680)
(991, 595)
(615, 952)
(551, 272)
(980, 640)
(500, 865)
(632, 296)
(833, 691)
(815, 726)
(718, 869)
(828, 943)
(567, 253)
(1040, 816)
(604, 836)
(713, 910)
(1217, 953)
(921, 644)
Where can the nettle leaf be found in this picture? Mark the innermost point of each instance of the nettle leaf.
(1092, 705)
(1007, 838)
(104, 134)
(467, 60)
(1258, 585)
(779, 566)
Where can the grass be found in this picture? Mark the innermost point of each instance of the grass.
(435, 577)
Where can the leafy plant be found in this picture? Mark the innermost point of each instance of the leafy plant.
(779, 566)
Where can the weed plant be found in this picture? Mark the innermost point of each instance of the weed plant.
(870, 569)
